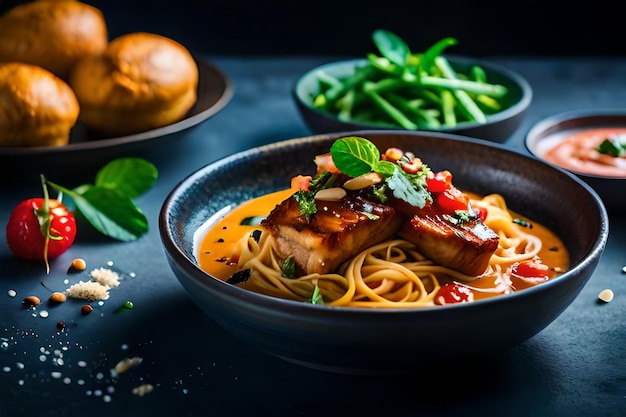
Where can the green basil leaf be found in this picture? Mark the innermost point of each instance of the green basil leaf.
(385, 168)
(111, 213)
(354, 156)
(130, 176)
(391, 46)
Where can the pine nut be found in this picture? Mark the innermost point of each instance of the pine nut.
(331, 194)
(363, 181)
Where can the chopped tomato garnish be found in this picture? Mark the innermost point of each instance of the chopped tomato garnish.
(527, 274)
(481, 213)
(325, 163)
(439, 182)
(301, 182)
(530, 269)
(453, 293)
(451, 200)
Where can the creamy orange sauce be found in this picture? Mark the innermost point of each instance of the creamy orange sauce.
(216, 248)
(577, 152)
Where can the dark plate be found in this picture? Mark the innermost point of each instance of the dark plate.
(86, 150)
(552, 129)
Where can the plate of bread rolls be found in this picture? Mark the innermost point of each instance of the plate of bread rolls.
(70, 95)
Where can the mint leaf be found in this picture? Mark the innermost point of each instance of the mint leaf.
(111, 213)
(354, 156)
(130, 177)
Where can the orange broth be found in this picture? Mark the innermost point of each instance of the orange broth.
(216, 247)
(577, 152)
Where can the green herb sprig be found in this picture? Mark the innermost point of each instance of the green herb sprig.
(612, 147)
(356, 156)
(108, 204)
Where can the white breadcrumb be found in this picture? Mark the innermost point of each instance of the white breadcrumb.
(89, 290)
(106, 277)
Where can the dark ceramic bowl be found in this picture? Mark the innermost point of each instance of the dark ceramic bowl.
(385, 341)
(86, 152)
(552, 130)
(498, 128)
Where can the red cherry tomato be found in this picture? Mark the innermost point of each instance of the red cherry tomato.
(530, 269)
(27, 228)
(451, 200)
(453, 293)
(439, 182)
(481, 213)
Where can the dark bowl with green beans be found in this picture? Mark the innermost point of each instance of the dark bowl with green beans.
(457, 95)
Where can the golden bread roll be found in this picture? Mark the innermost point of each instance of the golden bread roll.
(52, 34)
(143, 81)
(37, 108)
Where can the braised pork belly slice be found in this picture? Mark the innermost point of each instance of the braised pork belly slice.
(338, 231)
(466, 247)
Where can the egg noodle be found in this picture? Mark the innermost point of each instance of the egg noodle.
(392, 274)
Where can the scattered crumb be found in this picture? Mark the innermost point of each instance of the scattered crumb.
(78, 264)
(606, 296)
(31, 301)
(105, 277)
(90, 290)
(141, 390)
(126, 364)
(57, 297)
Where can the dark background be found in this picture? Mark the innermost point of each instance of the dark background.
(294, 27)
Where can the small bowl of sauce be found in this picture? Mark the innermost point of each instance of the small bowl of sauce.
(590, 144)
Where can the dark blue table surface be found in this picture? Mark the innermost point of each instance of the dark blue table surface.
(575, 367)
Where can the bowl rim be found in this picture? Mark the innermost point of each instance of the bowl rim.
(192, 269)
(518, 107)
(550, 124)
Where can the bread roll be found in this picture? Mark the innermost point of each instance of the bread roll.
(37, 108)
(52, 34)
(143, 81)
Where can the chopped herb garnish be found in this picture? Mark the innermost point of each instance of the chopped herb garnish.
(306, 200)
(523, 223)
(316, 298)
(612, 147)
(256, 235)
(240, 276)
(356, 156)
(289, 268)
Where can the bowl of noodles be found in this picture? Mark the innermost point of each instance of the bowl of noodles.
(392, 291)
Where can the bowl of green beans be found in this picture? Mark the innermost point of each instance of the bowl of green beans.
(398, 89)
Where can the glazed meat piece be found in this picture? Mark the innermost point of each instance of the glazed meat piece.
(466, 247)
(338, 230)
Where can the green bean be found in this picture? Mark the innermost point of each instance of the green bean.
(447, 100)
(465, 101)
(392, 111)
